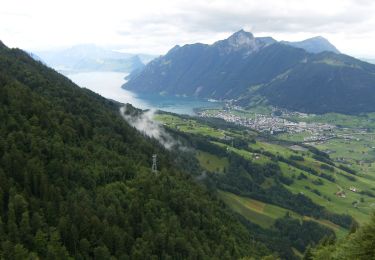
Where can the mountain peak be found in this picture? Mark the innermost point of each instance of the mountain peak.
(314, 45)
(176, 47)
(241, 35)
(318, 38)
(241, 41)
(241, 38)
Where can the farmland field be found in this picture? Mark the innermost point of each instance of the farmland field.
(265, 214)
(212, 162)
(321, 188)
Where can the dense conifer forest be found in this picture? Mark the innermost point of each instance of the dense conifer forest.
(358, 245)
(75, 180)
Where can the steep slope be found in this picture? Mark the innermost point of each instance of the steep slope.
(264, 180)
(358, 245)
(75, 180)
(326, 82)
(314, 45)
(244, 68)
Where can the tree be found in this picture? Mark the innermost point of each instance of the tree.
(308, 254)
(40, 243)
(20, 253)
(55, 250)
(101, 252)
(25, 229)
(358, 245)
(12, 224)
(2, 230)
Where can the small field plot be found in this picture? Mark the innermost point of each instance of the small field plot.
(255, 211)
(265, 214)
(212, 162)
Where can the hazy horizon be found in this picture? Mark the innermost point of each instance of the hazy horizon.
(154, 27)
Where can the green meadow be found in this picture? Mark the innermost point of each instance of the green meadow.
(265, 215)
(359, 204)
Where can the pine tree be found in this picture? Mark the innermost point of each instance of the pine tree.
(308, 254)
(20, 253)
(2, 230)
(40, 243)
(25, 229)
(12, 223)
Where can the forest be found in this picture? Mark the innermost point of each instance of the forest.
(75, 180)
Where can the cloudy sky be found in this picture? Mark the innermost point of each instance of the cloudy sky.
(154, 26)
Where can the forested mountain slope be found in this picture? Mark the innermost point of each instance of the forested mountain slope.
(358, 245)
(75, 180)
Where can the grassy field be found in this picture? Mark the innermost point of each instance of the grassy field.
(190, 126)
(246, 154)
(256, 211)
(327, 198)
(211, 162)
(354, 144)
(265, 214)
(320, 190)
(347, 121)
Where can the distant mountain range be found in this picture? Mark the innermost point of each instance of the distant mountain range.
(314, 45)
(308, 76)
(89, 57)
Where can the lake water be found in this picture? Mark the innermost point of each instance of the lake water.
(108, 84)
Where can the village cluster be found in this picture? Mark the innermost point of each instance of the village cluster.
(273, 124)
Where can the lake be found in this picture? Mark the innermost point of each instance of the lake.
(108, 84)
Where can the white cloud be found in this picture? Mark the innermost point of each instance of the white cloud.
(155, 26)
(144, 122)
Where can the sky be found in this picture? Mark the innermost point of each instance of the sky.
(155, 26)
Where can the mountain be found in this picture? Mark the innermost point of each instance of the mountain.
(76, 183)
(212, 70)
(326, 83)
(89, 57)
(369, 60)
(249, 70)
(314, 45)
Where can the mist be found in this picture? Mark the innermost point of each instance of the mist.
(145, 123)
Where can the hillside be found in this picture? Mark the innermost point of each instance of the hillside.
(75, 180)
(304, 180)
(250, 70)
(286, 188)
(331, 83)
(358, 245)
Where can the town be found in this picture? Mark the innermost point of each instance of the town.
(274, 124)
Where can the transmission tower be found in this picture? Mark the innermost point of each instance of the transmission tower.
(154, 167)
